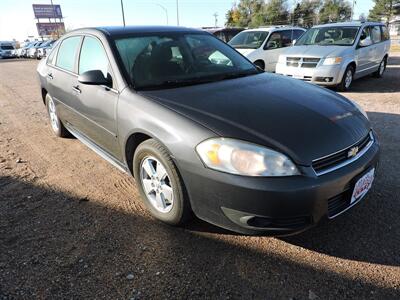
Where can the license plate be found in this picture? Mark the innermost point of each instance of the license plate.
(362, 186)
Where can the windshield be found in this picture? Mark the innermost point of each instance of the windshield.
(326, 36)
(7, 47)
(176, 59)
(249, 39)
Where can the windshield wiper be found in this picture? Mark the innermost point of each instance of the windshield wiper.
(172, 83)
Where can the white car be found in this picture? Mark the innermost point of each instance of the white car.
(7, 50)
(263, 46)
(337, 53)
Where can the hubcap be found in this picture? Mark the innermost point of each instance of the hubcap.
(349, 78)
(156, 184)
(53, 115)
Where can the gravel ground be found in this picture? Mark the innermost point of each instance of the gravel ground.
(72, 226)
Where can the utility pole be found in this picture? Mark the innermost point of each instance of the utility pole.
(215, 19)
(352, 10)
(177, 12)
(164, 9)
(123, 13)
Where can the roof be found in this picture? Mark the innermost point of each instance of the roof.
(354, 23)
(217, 29)
(269, 28)
(121, 30)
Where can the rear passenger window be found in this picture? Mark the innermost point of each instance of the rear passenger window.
(67, 53)
(93, 56)
(385, 33)
(376, 34)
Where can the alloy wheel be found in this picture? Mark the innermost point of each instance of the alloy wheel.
(53, 115)
(348, 79)
(156, 184)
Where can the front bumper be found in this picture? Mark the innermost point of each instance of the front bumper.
(276, 206)
(321, 75)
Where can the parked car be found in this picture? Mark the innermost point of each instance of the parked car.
(336, 54)
(42, 50)
(24, 50)
(264, 45)
(33, 50)
(225, 33)
(243, 149)
(7, 50)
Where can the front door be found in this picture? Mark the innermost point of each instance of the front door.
(97, 103)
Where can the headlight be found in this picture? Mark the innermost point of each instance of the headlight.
(282, 59)
(332, 61)
(358, 106)
(242, 158)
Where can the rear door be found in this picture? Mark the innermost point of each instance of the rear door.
(97, 103)
(365, 55)
(61, 78)
(379, 47)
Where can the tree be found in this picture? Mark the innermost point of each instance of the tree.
(306, 13)
(255, 13)
(334, 11)
(384, 10)
(276, 12)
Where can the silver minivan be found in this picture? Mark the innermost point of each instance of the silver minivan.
(336, 54)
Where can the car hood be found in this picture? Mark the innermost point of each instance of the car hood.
(245, 51)
(315, 51)
(302, 120)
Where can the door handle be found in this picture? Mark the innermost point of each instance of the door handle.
(76, 88)
(50, 76)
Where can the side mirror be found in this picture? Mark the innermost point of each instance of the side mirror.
(365, 42)
(94, 77)
(294, 42)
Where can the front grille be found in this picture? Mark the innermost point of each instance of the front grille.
(303, 62)
(339, 203)
(332, 162)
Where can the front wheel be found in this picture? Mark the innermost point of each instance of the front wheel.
(347, 79)
(159, 183)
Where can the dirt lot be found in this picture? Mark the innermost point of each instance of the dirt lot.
(72, 226)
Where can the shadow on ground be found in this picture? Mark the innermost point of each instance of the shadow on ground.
(56, 246)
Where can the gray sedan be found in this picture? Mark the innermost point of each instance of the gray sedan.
(203, 131)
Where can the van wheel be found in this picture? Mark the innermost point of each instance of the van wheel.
(159, 183)
(55, 122)
(347, 79)
(260, 64)
(381, 69)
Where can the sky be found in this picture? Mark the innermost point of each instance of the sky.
(17, 20)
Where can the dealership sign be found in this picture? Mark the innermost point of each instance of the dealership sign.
(50, 28)
(46, 11)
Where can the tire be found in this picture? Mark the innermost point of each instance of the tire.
(162, 192)
(346, 82)
(381, 69)
(55, 122)
(260, 64)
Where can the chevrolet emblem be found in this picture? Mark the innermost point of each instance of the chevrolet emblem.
(352, 152)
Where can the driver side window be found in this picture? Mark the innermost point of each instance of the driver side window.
(274, 41)
(365, 38)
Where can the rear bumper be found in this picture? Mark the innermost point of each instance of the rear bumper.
(276, 206)
(321, 75)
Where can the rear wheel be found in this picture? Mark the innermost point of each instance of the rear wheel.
(381, 69)
(347, 79)
(159, 183)
(58, 128)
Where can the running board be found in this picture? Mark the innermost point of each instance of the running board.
(96, 148)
